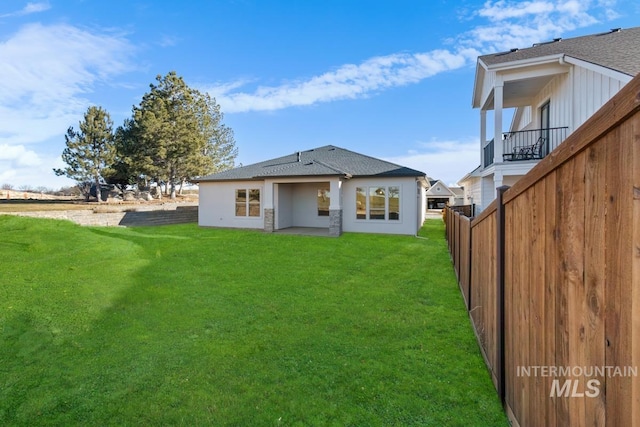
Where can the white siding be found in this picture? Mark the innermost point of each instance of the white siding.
(410, 204)
(573, 96)
(487, 85)
(422, 206)
(524, 118)
(217, 203)
(558, 93)
(592, 90)
(472, 191)
(488, 189)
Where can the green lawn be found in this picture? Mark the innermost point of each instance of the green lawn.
(181, 325)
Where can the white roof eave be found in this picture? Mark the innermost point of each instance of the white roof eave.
(549, 59)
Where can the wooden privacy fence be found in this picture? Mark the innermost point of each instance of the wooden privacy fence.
(550, 272)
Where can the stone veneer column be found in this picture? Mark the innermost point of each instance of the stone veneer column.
(335, 222)
(269, 223)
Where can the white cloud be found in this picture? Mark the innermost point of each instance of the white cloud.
(18, 155)
(46, 72)
(38, 172)
(502, 10)
(445, 160)
(346, 82)
(29, 9)
(515, 24)
(511, 24)
(20, 165)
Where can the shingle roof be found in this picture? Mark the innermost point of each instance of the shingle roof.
(322, 161)
(617, 49)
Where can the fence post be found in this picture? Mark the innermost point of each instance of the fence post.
(500, 239)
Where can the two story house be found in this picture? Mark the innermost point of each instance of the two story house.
(547, 91)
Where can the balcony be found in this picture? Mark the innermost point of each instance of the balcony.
(532, 144)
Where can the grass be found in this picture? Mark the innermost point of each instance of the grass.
(180, 325)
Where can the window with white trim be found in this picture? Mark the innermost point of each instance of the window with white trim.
(248, 202)
(378, 203)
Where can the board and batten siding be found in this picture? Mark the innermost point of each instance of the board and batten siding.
(573, 96)
(592, 90)
(216, 207)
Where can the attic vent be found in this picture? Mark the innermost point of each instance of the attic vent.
(514, 50)
(606, 33)
(331, 149)
(556, 40)
(308, 164)
(505, 52)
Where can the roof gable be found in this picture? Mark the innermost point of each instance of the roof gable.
(322, 161)
(444, 189)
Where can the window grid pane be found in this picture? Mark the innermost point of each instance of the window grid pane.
(361, 203)
(394, 203)
(254, 202)
(377, 199)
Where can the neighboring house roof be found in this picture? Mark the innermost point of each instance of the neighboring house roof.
(322, 161)
(473, 174)
(617, 49)
(457, 191)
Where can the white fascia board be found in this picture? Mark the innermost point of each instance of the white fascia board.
(481, 71)
(516, 168)
(489, 170)
(465, 178)
(301, 179)
(531, 72)
(607, 72)
(504, 66)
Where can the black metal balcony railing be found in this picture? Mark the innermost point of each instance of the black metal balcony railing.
(488, 153)
(532, 144)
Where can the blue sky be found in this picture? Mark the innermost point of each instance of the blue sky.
(391, 79)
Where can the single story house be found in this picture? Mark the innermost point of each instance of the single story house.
(326, 187)
(439, 194)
